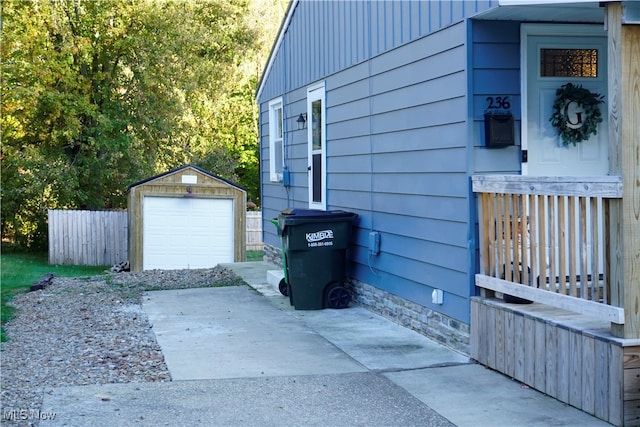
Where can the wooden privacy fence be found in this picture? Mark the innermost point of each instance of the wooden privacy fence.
(254, 231)
(80, 237)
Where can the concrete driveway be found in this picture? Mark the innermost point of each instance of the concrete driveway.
(241, 356)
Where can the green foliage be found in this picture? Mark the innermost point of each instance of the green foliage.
(588, 102)
(20, 270)
(99, 95)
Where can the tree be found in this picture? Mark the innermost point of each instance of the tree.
(98, 95)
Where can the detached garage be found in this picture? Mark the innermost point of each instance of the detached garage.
(185, 218)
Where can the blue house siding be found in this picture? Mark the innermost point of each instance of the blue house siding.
(405, 98)
(396, 155)
(495, 64)
(325, 37)
(418, 140)
(495, 54)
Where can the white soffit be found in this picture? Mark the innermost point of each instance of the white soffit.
(584, 11)
(539, 2)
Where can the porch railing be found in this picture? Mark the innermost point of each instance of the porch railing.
(546, 239)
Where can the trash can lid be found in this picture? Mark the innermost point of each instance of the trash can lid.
(315, 213)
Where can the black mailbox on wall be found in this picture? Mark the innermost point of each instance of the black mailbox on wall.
(498, 130)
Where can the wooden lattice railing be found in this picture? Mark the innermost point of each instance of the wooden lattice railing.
(549, 234)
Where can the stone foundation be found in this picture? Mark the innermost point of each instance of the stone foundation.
(272, 255)
(445, 330)
(434, 325)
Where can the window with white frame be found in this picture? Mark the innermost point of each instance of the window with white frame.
(276, 140)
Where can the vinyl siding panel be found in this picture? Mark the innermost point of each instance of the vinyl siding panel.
(425, 138)
(349, 200)
(439, 184)
(426, 47)
(420, 93)
(496, 81)
(417, 271)
(421, 161)
(348, 146)
(351, 181)
(499, 161)
(357, 78)
(436, 208)
(347, 165)
(357, 109)
(450, 258)
(445, 232)
(349, 129)
(436, 113)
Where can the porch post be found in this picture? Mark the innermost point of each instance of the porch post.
(624, 160)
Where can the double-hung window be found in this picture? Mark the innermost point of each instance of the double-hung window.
(276, 140)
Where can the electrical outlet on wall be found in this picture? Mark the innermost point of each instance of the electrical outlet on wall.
(436, 296)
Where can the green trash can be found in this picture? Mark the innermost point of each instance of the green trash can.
(315, 244)
(283, 286)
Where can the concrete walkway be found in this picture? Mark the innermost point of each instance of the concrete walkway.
(241, 356)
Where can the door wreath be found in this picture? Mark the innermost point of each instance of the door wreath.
(576, 113)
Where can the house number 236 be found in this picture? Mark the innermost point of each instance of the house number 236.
(498, 103)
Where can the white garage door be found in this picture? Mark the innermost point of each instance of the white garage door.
(182, 233)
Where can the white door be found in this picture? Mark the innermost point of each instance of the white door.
(562, 44)
(181, 233)
(317, 147)
(554, 55)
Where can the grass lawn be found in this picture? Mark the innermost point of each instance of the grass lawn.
(20, 270)
(255, 255)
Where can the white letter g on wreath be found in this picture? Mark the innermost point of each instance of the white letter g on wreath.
(576, 113)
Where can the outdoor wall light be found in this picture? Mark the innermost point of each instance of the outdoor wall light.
(302, 121)
(189, 193)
